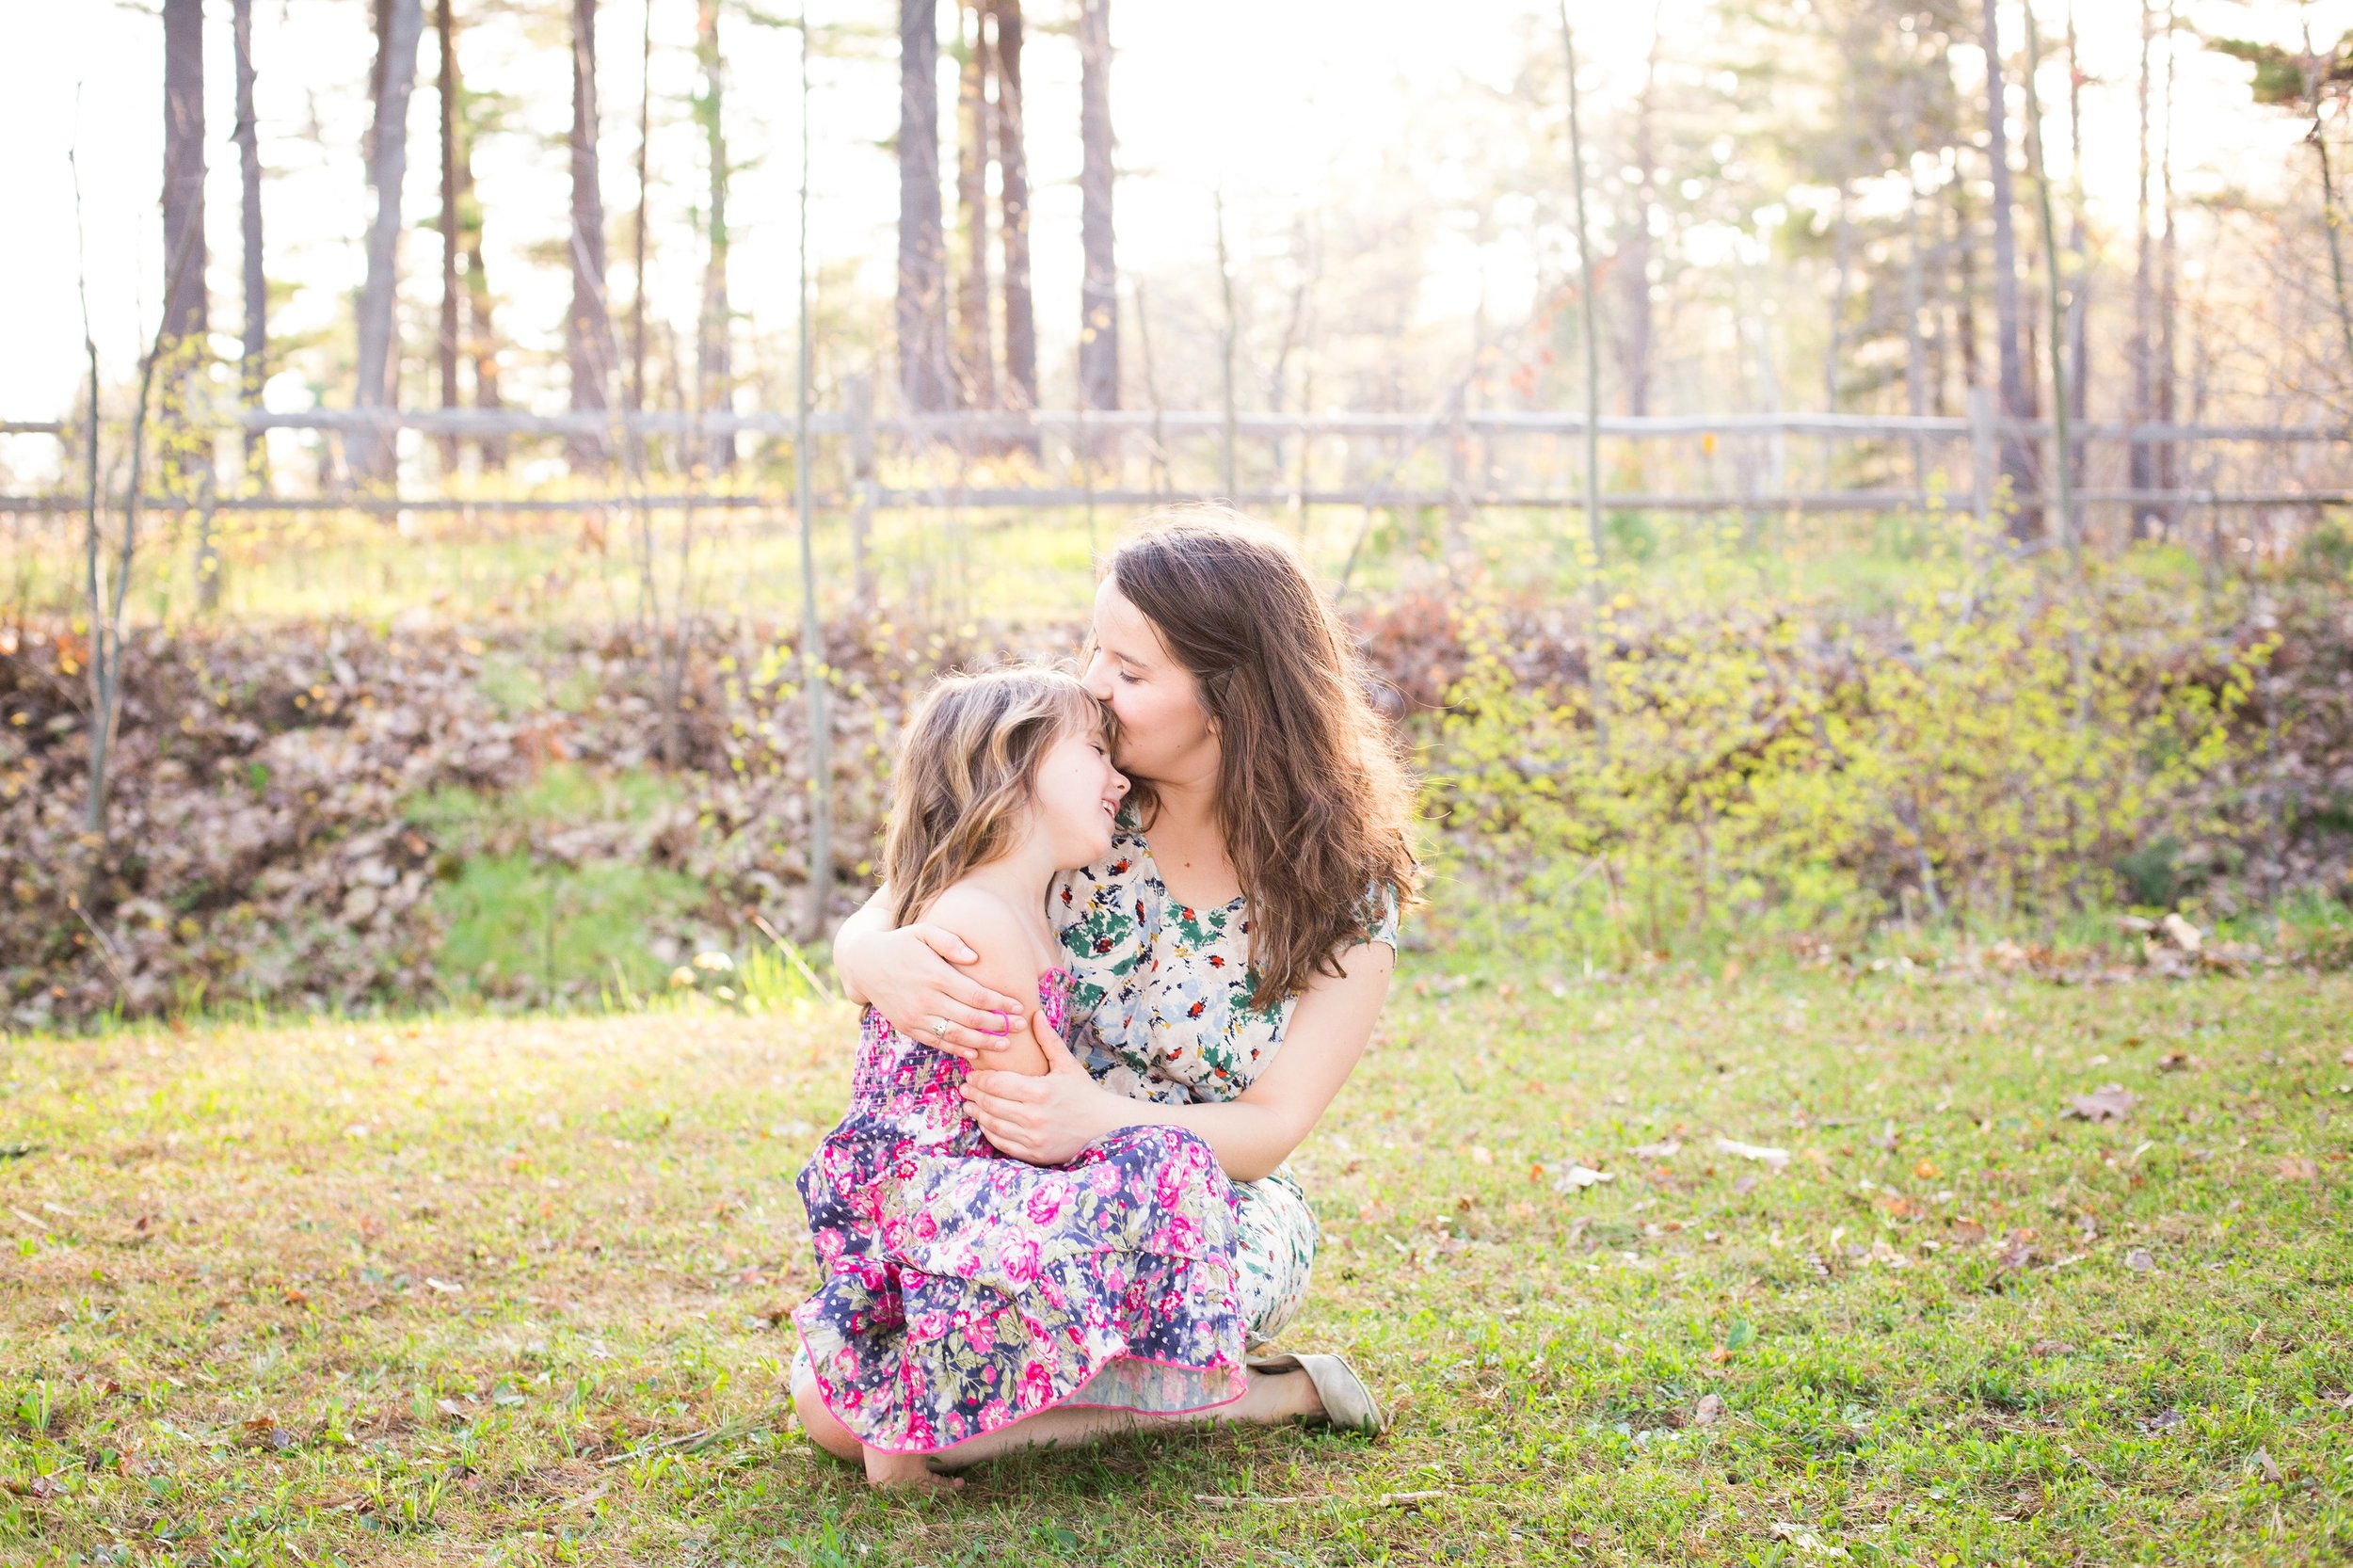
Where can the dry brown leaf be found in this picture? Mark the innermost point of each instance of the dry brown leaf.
(2111, 1102)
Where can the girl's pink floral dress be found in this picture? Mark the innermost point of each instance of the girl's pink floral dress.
(963, 1291)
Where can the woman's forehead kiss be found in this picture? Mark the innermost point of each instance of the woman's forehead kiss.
(1124, 632)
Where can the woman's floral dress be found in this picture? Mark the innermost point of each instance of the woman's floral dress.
(962, 1290)
(1160, 992)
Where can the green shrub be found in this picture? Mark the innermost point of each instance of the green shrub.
(2003, 745)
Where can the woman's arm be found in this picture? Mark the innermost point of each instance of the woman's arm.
(911, 976)
(1046, 1121)
(871, 920)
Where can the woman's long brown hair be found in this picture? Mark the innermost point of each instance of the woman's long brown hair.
(966, 764)
(1312, 795)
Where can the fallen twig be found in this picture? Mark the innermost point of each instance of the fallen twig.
(1250, 1499)
(1216, 1499)
(695, 1442)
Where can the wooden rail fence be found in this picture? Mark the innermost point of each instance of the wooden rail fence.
(975, 434)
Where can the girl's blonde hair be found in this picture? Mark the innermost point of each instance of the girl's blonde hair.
(967, 763)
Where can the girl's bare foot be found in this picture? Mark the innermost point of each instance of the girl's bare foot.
(912, 1472)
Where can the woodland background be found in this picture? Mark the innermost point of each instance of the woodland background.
(471, 624)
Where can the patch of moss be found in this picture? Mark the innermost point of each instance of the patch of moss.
(516, 926)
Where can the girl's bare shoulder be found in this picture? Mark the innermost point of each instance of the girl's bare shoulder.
(999, 931)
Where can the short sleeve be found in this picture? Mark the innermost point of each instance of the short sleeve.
(1381, 914)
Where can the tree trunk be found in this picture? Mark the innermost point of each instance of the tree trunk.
(2142, 458)
(715, 364)
(1935, 324)
(976, 379)
(2057, 305)
(445, 40)
(253, 351)
(2169, 297)
(1227, 336)
(1098, 287)
(638, 230)
(380, 22)
(1965, 285)
(1843, 250)
(2317, 88)
(184, 313)
(186, 316)
(1915, 351)
(1013, 221)
(1634, 256)
(2016, 399)
(253, 368)
(2079, 249)
(588, 329)
(921, 311)
(1597, 690)
(404, 21)
(480, 334)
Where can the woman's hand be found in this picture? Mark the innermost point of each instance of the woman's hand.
(1047, 1120)
(911, 978)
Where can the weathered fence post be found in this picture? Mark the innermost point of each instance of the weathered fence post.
(1458, 496)
(1981, 455)
(859, 392)
(814, 676)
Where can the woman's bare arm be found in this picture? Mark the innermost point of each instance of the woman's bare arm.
(871, 920)
(1047, 1120)
(912, 975)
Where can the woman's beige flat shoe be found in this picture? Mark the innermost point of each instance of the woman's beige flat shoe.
(1347, 1402)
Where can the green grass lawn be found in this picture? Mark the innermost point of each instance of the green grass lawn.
(501, 1290)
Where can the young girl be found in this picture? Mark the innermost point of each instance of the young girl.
(963, 1291)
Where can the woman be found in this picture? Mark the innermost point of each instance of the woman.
(1230, 954)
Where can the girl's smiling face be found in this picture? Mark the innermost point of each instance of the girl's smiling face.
(1166, 732)
(1076, 795)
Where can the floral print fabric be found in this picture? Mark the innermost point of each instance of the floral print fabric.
(962, 1290)
(1161, 992)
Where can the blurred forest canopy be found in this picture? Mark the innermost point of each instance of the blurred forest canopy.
(1824, 205)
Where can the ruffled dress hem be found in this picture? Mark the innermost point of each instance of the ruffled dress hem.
(964, 1292)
